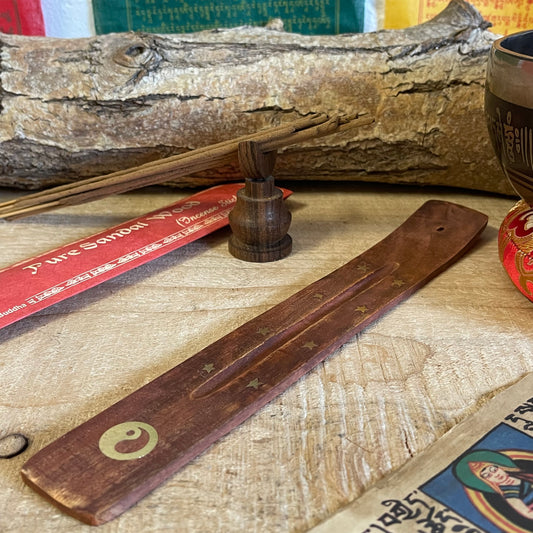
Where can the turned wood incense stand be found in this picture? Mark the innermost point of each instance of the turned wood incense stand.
(260, 219)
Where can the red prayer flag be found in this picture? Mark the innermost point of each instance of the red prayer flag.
(23, 17)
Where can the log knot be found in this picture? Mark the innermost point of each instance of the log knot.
(142, 54)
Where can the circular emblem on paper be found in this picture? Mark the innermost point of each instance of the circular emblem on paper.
(128, 441)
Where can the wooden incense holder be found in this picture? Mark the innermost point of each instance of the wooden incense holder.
(104, 466)
(260, 219)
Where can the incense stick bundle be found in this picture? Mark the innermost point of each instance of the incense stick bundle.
(186, 164)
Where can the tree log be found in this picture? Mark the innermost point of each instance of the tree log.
(74, 108)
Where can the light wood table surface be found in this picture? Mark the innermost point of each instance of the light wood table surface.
(378, 401)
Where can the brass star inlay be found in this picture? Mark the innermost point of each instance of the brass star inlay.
(310, 345)
(254, 384)
(362, 309)
(363, 267)
(318, 296)
(264, 331)
(209, 368)
(398, 282)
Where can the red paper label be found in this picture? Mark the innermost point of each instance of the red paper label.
(41, 281)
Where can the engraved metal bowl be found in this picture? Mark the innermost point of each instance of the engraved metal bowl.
(509, 108)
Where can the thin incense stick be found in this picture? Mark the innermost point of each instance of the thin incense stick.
(180, 165)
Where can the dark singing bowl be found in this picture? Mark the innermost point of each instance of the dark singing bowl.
(509, 108)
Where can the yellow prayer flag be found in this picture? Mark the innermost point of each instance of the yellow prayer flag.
(507, 16)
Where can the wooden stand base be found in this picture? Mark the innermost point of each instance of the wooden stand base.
(260, 219)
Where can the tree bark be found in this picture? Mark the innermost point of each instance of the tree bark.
(83, 107)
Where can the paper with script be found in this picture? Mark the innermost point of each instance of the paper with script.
(507, 16)
(160, 16)
(478, 478)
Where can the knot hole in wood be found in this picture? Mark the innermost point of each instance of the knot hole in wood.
(260, 219)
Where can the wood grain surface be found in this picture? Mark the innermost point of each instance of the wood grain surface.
(375, 403)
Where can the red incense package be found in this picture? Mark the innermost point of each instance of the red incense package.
(46, 279)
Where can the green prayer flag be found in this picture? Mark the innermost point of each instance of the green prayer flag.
(311, 17)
